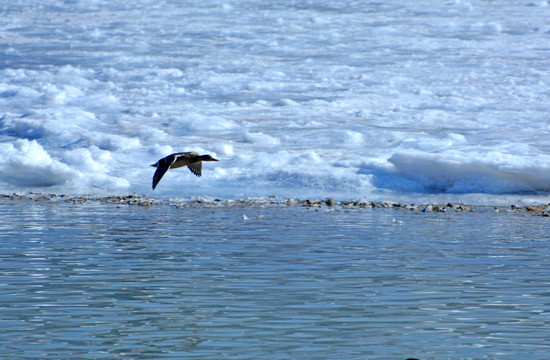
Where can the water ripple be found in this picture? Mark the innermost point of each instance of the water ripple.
(100, 281)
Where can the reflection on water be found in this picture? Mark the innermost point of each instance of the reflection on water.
(99, 281)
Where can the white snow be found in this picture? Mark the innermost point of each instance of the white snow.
(396, 100)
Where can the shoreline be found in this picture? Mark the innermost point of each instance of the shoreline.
(272, 201)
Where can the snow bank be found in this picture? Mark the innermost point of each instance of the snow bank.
(26, 163)
(491, 173)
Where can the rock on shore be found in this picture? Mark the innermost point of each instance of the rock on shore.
(272, 201)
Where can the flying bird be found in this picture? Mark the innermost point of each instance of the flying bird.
(190, 159)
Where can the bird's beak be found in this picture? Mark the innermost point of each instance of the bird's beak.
(215, 159)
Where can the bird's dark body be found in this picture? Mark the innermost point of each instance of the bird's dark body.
(190, 159)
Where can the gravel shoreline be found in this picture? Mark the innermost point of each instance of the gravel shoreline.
(271, 201)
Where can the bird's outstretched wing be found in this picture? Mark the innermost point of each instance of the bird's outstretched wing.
(162, 167)
(196, 168)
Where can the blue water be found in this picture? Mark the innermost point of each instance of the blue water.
(99, 281)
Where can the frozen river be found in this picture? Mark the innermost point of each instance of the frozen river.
(404, 100)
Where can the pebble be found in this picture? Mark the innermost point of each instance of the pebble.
(272, 201)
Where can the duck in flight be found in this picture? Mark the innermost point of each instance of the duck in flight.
(190, 159)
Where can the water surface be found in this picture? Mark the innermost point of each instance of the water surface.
(100, 281)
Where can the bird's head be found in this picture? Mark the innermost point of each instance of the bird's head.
(207, 158)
